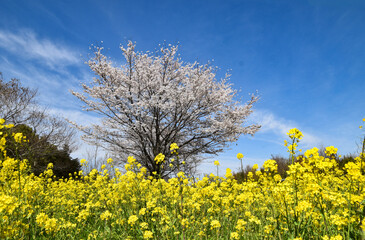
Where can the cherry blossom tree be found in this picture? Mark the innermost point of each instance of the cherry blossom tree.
(156, 99)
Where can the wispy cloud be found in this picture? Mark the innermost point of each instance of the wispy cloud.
(53, 86)
(26, 44)
(79, 117)
(270, 123)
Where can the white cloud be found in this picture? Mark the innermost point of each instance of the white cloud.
(53, 86)
(26, 44)
(279, 126)
(80, 117)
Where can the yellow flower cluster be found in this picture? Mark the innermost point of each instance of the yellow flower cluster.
(331, 150)
(317, 200)
(19, 138)
(295, 134)
(174, 147)
(49, 224)
(160, 158)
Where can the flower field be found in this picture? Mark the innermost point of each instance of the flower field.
(318, 200)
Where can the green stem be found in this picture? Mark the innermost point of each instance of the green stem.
(362, 155)
(241, 166)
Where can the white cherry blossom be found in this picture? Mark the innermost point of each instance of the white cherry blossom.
(156, 99)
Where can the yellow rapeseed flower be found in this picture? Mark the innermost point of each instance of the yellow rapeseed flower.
(147, 235)
(127, 166)
(142, 211)
(228, 173)
(331, 150)
(160, 158)
(295, 133)
(235, 235)
(255, 167)
(215, 224)
(49, 224)
(18, 137)
(270, 165)
(132, 220)
(173, 147)
(241, 224)
(131, 160)
(143, 225)
(106, 215)
(180, 174)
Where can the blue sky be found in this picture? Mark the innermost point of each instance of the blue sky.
(305, 58)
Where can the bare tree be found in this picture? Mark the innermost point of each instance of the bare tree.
(154, 100)
(14, 100)
(18, 106)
